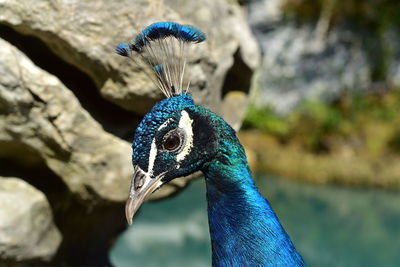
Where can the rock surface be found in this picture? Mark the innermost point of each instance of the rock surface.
(297, 67)
(39, 114)
(27, 230)
(84, 34)
(315, 60)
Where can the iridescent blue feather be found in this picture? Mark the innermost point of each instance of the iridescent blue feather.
(161, 45)
(192, 34)
(160, 30)
(123, 50)
(139, 42)
(158, 69)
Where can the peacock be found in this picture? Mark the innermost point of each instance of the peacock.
(177, 138)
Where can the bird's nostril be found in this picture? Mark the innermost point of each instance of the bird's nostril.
(139, 181)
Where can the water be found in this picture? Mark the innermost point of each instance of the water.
(329, 225)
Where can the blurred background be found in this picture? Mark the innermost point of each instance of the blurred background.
(311, 86)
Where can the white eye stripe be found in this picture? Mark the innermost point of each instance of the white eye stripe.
(153, 149)
(165, 124)
(185, 123)
(152, 157)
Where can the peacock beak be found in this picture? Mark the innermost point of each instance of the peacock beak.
(143, 184)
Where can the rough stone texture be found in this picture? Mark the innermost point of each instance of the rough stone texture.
(313, 61)
(303, 62)
(27, 230)
(297, 66)
(40, 114)
(234, 108)
(84, 34)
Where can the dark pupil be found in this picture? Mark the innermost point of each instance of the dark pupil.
(172, 142)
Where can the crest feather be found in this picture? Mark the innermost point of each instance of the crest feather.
(162, 46)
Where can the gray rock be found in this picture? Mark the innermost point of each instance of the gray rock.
(234, 108)
(297, 65)
(264, 14)
(27, 230)
(312, 61)
(84, 34)
(40, 114)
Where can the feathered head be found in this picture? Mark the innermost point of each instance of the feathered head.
(164, 140)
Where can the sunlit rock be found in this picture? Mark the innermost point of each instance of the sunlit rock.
(85, 33)
(27, 230)
(40, 114)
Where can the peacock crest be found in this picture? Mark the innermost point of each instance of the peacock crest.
(162, 46)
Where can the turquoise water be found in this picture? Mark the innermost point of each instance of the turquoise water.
(329, 225)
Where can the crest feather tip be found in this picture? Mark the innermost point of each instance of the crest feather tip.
(123, 50)
(161, 45)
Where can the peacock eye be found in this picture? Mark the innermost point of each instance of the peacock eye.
(173, 140)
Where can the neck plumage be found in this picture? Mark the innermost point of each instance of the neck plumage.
(244, 229)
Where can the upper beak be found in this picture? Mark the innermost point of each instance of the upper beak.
(141, 187)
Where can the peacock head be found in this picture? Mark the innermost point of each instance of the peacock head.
(167, 141)
(173, 140)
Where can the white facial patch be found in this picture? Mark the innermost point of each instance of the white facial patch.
(149, 173)
(185, 123)
(152, 157)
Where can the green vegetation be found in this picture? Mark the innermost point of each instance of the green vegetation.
(368, 125)
(353, 141)
(360, 12)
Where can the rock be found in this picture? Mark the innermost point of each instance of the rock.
(264, 14)
(234, 108)
(320, 58)
(41, 114)
(27, 230)
(84, 34)
(303, 61)
(298, 66)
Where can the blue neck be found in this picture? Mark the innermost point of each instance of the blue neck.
(244, 229)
